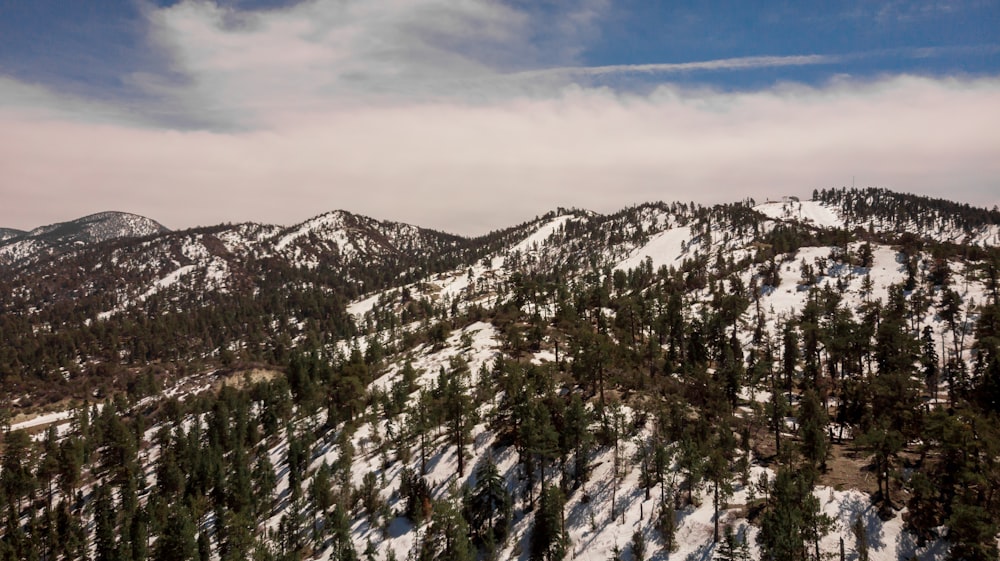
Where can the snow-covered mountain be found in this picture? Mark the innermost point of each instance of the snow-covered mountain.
(19, 248)
(8, 233)
(837, 348)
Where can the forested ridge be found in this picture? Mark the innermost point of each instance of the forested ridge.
(787, 380)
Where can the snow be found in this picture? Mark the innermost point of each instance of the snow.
(543, 233)
(170, 278)
(810, 212)
(666, 248)
(330, 226)
(361, 307)
(886, 540)
(48, 418)
(478, 344)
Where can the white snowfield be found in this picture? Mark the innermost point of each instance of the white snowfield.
(807, 212)
(453, 283)
(542, 234)
(666, 248)
(40, 420)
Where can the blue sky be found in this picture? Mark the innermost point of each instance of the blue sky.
(260, 84)
(91, 47)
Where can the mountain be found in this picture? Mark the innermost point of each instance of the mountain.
(786, 379)
(20, 248)
(8, 233)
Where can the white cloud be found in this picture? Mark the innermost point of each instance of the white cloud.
(253, 68)
(401, 110)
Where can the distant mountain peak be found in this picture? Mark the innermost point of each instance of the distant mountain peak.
(10, 233)
(21, 247)
(100, 227)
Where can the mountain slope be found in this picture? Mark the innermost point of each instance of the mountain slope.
(29, 247)
(584, 385)
(8, 233)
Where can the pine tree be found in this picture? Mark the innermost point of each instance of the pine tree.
(264, 483)
(638, 546)
(177, 540)
(48, 466)
(812, 430)
(16, 477)
(204, 547)
(732, 547)
(793, 520)
(717, 470)
(489, 505)
(666, 523)
(549, 541)
(447, 538)
(576, 438)
(972, 532)
(105, 525)
(457, 409)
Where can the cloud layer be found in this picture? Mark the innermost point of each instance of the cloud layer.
(438, 113)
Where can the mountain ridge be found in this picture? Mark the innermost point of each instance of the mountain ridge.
(666, 381)
(54, 239)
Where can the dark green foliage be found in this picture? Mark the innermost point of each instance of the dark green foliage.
(732, 547)
(812, 431)
(576, 438)
(447, 538)
(972, 532)
(549, 541)
(638, 546)
(264, 483)
(792, 523)
(489, 506)
(456, 408)
(417, 494)
(105, 526)
(666, 523)
(16, 478)
(177, 540)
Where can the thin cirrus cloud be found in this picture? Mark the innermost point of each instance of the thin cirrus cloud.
(405, 111)
(735, 63)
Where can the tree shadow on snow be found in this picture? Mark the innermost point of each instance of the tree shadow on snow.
(855, 507)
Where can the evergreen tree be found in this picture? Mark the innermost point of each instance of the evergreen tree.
(549, 541)
(489, 505)
(638, 546)
(812, 430)
(16, 478)
(732, 547)
(972, 532)
(105, 525)
(793, 520)
(177, 540)
(576, 438)
(717, 470)
(264, 483)
(447, 538)
(457, 409)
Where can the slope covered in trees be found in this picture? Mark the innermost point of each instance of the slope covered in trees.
(770, 389)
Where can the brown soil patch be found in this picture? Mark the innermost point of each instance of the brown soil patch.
(236, 379)
(848, 468)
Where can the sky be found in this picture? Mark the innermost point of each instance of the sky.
(472, 115)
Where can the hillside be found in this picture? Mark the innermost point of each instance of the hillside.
(20, 249)
(784, 380)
